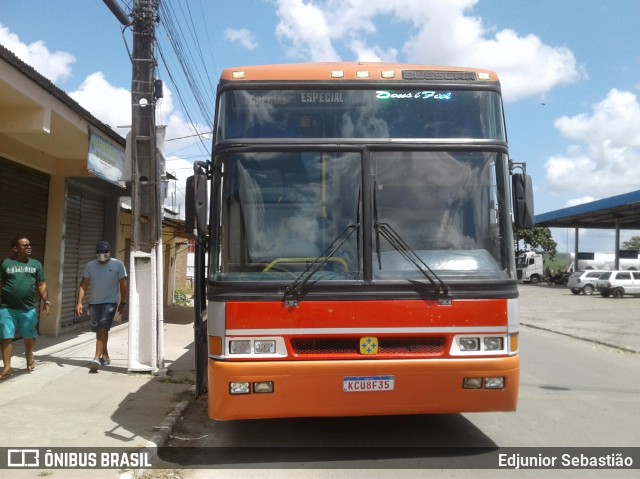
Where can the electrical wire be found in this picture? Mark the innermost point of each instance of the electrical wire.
(181, 38)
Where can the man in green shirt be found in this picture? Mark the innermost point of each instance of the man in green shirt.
(20, 277)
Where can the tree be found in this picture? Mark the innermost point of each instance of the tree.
(537, 237)
(632, 244)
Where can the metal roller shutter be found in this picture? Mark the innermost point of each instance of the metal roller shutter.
(24, 201)
(84, 228)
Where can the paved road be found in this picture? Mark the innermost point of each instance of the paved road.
(574, 393)
(607, 321)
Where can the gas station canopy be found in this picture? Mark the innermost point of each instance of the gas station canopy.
(615, 212)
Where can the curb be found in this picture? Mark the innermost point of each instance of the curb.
(161, 435)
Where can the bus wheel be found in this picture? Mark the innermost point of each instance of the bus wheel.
(618, 293)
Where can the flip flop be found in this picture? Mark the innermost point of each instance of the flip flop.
(32, 365)
(4, 376)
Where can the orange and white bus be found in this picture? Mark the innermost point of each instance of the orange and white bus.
(358, 230)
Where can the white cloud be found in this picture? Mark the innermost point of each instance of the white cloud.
(605, 160)
(615, 119)
(305, 26)
(367, 53)
(109, 104)
(580, 201)
(439, 32)
(242, 36)
(54, 66)
(112, 106)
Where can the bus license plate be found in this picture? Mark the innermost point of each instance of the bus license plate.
(359, 384)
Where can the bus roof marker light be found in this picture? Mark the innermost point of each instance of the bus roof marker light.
(388, 74)
(362, 74)
(337, 74)
(484, 76)
(238, 75)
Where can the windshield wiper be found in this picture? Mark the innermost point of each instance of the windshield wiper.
(402, 247)
(293, 292)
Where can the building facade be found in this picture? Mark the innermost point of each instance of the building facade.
(51, 193)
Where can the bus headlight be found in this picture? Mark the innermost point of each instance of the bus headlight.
(469, 344)
(240, 347)
(479, 345)
(493, 343)
(257, 347)
(264, 346)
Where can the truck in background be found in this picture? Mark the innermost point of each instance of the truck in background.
(535, 267)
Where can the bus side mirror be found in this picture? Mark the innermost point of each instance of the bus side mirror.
(522, 190)
(195, 221)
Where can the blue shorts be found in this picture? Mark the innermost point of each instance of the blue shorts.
(12, 319)
(102, 315)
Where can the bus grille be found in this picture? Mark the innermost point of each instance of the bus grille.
(387, 346)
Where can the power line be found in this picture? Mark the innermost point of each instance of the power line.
(183, 39)
(186, 74)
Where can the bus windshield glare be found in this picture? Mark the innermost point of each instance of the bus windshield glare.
(371, 114)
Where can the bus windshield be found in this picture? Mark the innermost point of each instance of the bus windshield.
(281, 210)
(363, 113)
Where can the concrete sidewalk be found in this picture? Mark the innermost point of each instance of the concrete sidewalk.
(61, 404)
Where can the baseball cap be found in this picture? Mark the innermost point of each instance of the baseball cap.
(103, 246)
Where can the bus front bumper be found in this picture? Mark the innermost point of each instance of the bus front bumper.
(361, 388)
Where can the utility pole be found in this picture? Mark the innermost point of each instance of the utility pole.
(145, 267)
(145, 285)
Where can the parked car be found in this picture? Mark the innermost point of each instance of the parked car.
(584, 281)
(618, 283)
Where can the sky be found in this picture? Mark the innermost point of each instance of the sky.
(570, 71)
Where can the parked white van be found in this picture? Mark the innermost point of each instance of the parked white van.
(618, 283)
